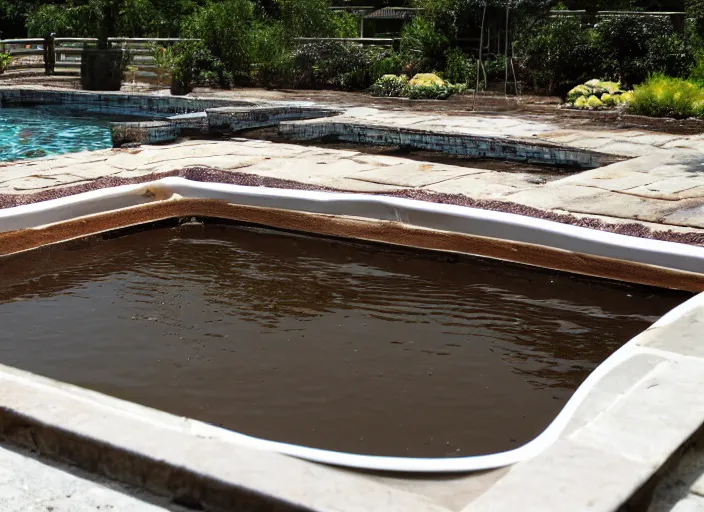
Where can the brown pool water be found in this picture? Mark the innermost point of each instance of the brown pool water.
(318, 342)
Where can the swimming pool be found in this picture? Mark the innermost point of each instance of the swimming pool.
(39, 131)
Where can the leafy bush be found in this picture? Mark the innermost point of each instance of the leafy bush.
(495, 68)
(336, 64)
(433, 91)
(423, 47)
(59, 19)
(5, 61)
(391, 65)
(579, 91)
(596, 94)
(192, 61)
(314, 18)
(696, 74)
(557, 53)
(594, 102)
(280, 73)
(140, 18)
(663, 96)
(460, 69)
(226, 30)
(426, 80)
(164, 61)
(634, 46)
(581, 102)
(626, 48)
(390, 86)
(421, 86)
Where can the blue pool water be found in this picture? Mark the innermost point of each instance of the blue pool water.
(33, 132)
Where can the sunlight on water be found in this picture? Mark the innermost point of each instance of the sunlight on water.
(34, 132)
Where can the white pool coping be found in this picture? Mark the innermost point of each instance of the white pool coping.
(458, 219)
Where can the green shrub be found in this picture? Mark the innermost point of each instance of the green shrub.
(594, 94)
(556, 53)
(194, 62)
(423, 86)
(460, 69)
(594, 102)
(5, 61)
(280, 73)
(696, 74)
(391, 65)
(433, 92)
(634, 46)
(608, 100)
(581, 102)
(337, 65)
(495, 69)
(314, 18)
(423, 47)
(226, 30)
(578, 91)
(58, 19)
(663, 96)
(627, 48)
(390, 86)
(164, 60)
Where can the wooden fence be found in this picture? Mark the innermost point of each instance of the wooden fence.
(62, 55)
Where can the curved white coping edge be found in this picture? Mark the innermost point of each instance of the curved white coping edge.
(459, 219)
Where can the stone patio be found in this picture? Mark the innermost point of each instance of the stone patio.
(666, 187)
(599, 462)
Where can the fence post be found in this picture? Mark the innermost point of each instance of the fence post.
(50, 54)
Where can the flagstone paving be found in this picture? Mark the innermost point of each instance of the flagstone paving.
(664, 187)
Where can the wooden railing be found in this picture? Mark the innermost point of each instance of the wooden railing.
(63, 54)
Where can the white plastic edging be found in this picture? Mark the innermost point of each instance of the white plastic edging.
(504, 226)
(460, 464)
(458, 219)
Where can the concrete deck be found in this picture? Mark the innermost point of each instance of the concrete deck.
(32, 484)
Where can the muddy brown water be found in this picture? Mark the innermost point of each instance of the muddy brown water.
(319, 342)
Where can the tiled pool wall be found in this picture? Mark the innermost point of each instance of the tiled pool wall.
(109, 102)
(493, 147)
(195, 116)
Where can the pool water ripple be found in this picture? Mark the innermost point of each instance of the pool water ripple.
(324, 343)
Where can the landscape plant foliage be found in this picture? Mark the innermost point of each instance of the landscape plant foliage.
(664, 96)
(421, 86)
(560, 51)
(254, 42)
